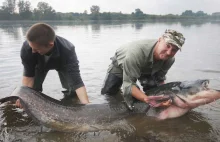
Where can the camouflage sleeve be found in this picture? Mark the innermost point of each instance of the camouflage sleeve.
(160, 76)
(131, 72)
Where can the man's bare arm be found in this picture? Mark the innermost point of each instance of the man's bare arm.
(82, 95)
(28, 81)
(138, 94)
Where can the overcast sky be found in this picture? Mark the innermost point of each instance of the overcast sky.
(128, 6)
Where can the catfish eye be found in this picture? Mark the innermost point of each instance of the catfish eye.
(205, 84)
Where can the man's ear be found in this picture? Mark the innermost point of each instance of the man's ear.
(50, 44)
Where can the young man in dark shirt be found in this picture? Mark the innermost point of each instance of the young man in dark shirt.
(44, 51)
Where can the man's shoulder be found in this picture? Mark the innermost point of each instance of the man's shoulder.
(26, 47)
(142, 43)
(146, 42)
(64, 43)
(59, 38)
(26, 52)
(145, 45)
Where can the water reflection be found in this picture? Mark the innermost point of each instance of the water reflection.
(96, 28)
(216, 22)
(189, 23)
(11, 32)
(138, 26)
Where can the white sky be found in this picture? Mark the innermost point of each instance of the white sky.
(128, 6)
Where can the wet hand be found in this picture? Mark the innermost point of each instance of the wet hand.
(158, 101)
(163, 104)
(18, 104)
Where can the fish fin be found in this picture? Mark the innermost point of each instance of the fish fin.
(9, 98)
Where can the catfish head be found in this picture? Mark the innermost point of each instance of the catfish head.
(194, 94)
(177, 91)
(186, 96)
(191, 87)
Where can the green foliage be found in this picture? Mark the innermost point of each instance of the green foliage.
(24, 8)
(95, 15)
(191, 14)
(188, 13)
(138, 14)
(44, 11)
(9, 6)
(216, 15)
(95, 9)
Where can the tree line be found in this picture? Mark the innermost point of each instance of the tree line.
(44, 11)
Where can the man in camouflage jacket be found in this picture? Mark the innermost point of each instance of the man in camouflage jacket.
(145, 60)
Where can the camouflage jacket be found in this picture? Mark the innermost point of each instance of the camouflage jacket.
(135, 60)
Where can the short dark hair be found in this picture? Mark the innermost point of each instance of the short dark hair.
(40, 33)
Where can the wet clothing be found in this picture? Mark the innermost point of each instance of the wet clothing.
(132, 62)
(62, 58)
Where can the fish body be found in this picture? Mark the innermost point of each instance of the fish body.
(92, 117)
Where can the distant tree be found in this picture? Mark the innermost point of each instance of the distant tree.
(216, 14)
(44, 11)
(9, 6)
(95, 12)
(84, 16)
(24, 8)
(37, 14)
(95, 9)
(85, 12)
(118, 16)
(200, 13)
(188, 13)
(106, 16)
(4, 15)
(138, 14)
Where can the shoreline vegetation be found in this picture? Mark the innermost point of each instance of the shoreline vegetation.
(21, 10)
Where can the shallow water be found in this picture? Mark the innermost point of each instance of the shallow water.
(95, 44)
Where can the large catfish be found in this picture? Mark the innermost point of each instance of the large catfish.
(53, 114)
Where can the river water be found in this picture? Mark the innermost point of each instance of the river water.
(95, 43)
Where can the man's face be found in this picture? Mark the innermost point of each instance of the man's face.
(41, 49)
(164, 50)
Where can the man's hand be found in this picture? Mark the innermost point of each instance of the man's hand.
(18, 104)
(158, 101)
(154, 101)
